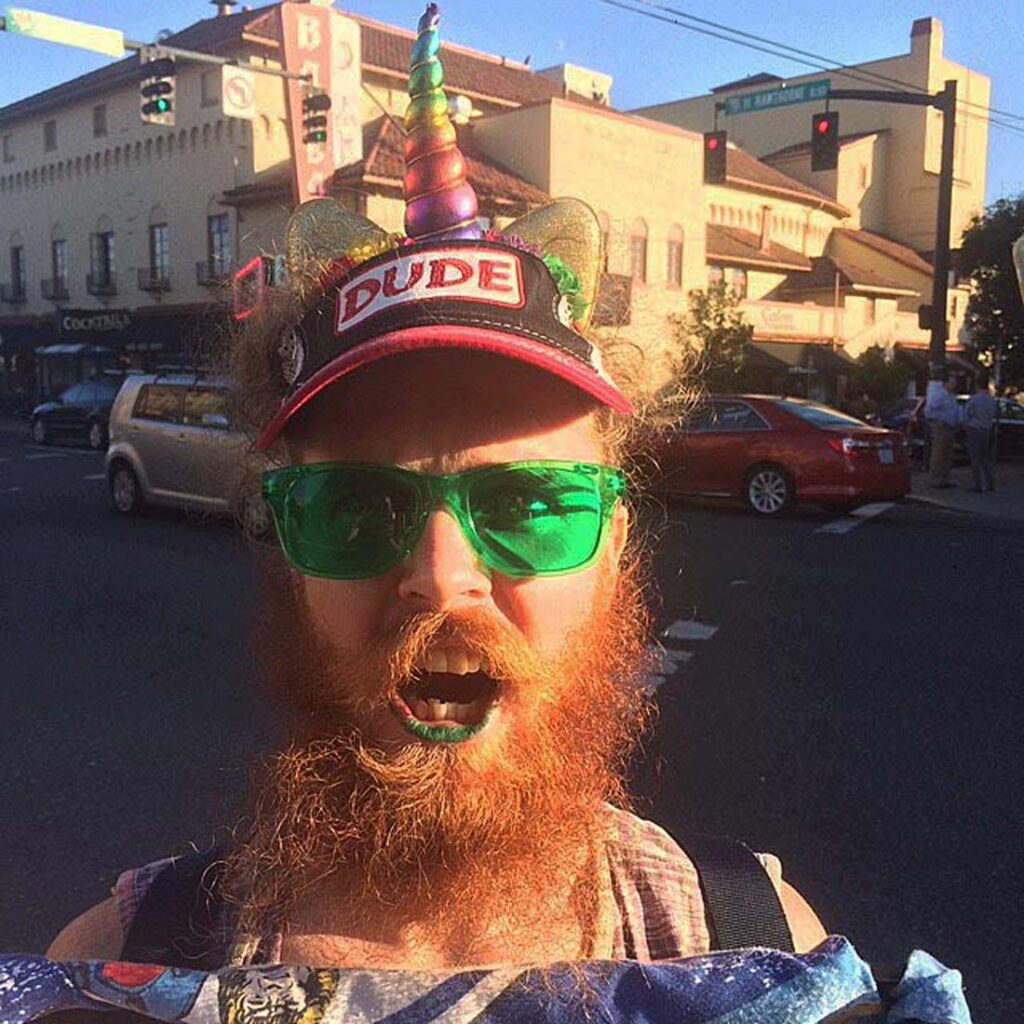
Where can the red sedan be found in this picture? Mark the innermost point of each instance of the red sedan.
(775, 452)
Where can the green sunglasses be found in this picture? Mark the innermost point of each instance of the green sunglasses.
(353, 521)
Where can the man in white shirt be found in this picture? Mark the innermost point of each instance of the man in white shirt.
(943, 416)
(979, 419)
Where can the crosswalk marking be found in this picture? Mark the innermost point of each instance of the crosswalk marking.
(689, 629)
(95, 476)
(9, 490)
(856, 518)
(45, 455)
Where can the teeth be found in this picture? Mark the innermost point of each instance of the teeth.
(454, 661)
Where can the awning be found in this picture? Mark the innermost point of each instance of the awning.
(799, 357)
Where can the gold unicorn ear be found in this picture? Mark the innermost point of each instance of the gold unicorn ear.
(322, 231)
(569, 230)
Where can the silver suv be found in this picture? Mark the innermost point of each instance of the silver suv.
(171, 443)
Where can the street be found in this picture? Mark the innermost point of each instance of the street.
(847, 698)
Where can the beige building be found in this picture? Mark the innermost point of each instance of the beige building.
(890, 154)
(126, 235)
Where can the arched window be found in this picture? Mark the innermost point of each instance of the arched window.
(674, 257)
(170, 144)
(148, 149)
(638, 250)
(738, 281)
(218, 132)
(193, 139)
(206, 135)
(716, 275)
(159, 147)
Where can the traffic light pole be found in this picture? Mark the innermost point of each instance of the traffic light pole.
(946, 102)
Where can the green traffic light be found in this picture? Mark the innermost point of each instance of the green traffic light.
(163, 106)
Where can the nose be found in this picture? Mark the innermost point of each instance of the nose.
(443, 572)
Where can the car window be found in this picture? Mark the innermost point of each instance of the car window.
(733, 415)
(159, 402)
(206, 407)
(73, 395)
(819, 415)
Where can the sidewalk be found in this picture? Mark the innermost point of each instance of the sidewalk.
(1006, 502)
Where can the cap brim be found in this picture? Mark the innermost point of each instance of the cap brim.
(452, 336)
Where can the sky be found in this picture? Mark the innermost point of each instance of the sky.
(651, 62)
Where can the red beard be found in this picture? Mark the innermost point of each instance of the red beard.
(464, 836)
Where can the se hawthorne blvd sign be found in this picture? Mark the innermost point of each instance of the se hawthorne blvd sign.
(781, 97)
(62, 30)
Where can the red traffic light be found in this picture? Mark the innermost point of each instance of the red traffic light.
(824, 126)
(712, 142)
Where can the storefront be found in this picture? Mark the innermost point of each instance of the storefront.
(799, 369)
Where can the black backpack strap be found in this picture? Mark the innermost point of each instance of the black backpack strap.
(741, 905)
(183, 919)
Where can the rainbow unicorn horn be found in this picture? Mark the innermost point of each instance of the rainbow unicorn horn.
(440, 203)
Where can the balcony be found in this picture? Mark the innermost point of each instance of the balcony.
(101, 284)
(154, 279)
(212, 273)
(54, 288)
(614, 300)
(13, 294)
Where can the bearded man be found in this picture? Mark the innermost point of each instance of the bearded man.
(457, 624)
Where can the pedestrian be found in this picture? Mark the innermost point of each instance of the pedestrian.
(942, 414)
(454, 626)
(979, 426)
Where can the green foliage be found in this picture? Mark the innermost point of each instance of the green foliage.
(883, 380)
(713, 332)
(995, 313)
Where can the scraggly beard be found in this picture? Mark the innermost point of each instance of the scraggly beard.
(475, 840)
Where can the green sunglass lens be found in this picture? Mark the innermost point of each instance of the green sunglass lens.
(537, 521)
(349, 524)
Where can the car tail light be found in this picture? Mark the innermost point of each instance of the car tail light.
(850, 445)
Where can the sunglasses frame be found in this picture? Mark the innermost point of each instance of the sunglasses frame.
(450, 491)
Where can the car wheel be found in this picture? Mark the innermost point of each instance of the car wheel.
(768, 490)
(254, 516)
(39, 434)
(97, 437)
(125, 492)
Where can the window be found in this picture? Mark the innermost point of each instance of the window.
(8, 147)
(818, 415)
(674, 258)
(101, 257)
(18, 277)
(738, 282)
(218, 243)
(953, 307)
(638, 251)
(716, 274)
(862, 176)
(159, 252)
(209, 88)
(606, 243)
(49, 136)
(206, 408)
(159, 402)
(99, 120)
(59, 264)
(726, 415)
(869, 311)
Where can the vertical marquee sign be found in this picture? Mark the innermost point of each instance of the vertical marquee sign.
(325, 46)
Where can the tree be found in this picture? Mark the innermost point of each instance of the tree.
(883, 379)
(995, 313)
(713, 330)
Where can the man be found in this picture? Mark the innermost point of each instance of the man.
(943, 416)
(979, 423)
(456, 627)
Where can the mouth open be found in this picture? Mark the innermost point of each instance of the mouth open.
(447, 707)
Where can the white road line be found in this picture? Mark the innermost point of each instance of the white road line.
(689, 629)
(856, 518)
(95, 476)
(45, 455)
(9, 490)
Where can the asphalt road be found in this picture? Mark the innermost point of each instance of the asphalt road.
(844, 695)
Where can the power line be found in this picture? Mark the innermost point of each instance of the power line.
(778, 50)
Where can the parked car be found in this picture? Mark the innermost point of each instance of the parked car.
(1010, 428)
(172, 444)
(775, 452)
(81, 413)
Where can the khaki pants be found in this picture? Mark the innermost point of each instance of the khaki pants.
(942, 452)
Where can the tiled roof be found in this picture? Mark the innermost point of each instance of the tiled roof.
(735, 244)
(805, 147)
(744, 170)
(851, 275)
(385, 47)
(887, 247)
(497, 188)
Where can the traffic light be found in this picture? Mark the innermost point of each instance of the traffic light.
(314, 117)
(156, 88)
(714, 158)
(825, 141)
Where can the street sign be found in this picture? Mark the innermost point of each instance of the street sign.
(63, 30)
(237, 92)
(781, 97)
